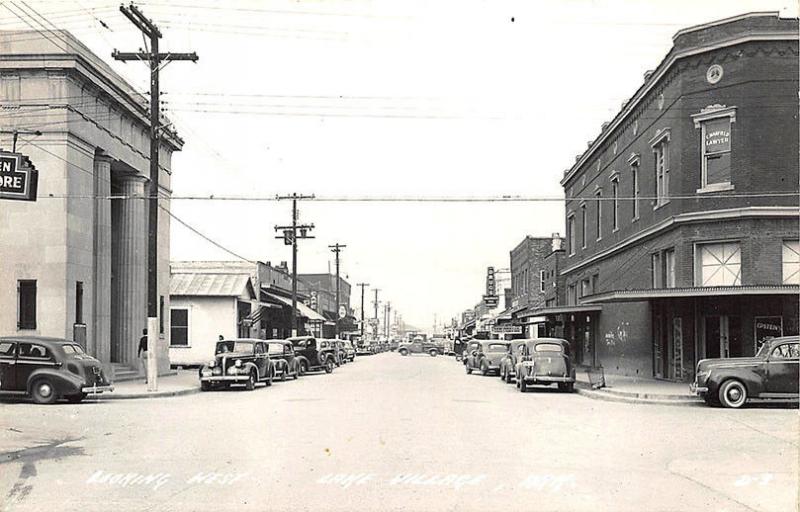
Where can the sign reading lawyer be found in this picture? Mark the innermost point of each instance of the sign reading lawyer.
(18, 178)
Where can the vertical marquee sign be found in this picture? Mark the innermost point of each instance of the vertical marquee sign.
(19, 180)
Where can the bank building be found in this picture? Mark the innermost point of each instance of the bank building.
(73, 263)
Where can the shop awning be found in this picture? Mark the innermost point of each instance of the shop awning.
(258, 311)
(302, 309)
(557, 310)
(697, 291)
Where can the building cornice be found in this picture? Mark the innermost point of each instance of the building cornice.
(656, 77)
(685, 218)
(695, 291)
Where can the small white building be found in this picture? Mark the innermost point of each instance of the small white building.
(205, 305)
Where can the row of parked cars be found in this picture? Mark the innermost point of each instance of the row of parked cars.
(525, 362)
(250, 361)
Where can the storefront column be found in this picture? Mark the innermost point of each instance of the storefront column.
(130, 268)
(99, 343)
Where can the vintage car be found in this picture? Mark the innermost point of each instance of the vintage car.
(545, 361)
(339, 351)
(281, 354)
(485, 356)
(731, 381)
(419, 346)
(349, 350)
(313, 354)
(238, 361)
(47, 369)
(469, 347)
(508, 364)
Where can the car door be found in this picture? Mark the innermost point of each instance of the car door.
(288, 354)
(8, 356)
(782, 368)
(474, 353)
(261, 359)
(31, 357)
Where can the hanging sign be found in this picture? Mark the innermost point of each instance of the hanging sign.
(19, 180)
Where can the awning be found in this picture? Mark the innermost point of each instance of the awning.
(258, 311)
(557, 310)
(698, 291)
(302, 309)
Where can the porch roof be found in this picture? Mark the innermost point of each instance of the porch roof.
(695, 291)
(302, 309)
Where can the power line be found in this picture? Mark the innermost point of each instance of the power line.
(203, 236)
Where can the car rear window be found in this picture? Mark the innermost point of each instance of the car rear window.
(72, 349)
(496, 347)
(548, 347)
(275, 348)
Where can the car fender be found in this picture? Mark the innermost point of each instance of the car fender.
(251, 366)
(65, 383)
(747, 375)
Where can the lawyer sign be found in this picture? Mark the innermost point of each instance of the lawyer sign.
(18, 179)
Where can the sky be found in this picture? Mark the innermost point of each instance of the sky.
(377, 100)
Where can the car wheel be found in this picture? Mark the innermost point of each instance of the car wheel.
(433, 353)
(76, 398)
(250, 385)
(522, 386)
(469, 370)
(205, 386)
(303, 367)
(566, 387)
(328, 366)
(404, 352)
(484, 369)
(43, 392)
(283, 374)
(711, 401)
(296, 372)
(502, 373)
(732, 394)
(270, 376)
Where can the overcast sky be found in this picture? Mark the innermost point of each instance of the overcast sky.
(380, 99)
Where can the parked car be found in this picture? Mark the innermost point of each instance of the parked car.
(469, 347)
(545, 361)
(47, 369)
(349, 350)
(731, 381)
(419, 346)
(339, 351)
(364, 349)
(508, 364)
(281, 354)
(485, 356)
(458, 348)
(313, 354)
(238, 361)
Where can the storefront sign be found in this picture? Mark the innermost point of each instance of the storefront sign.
(506, 329)
(491, 301)
(18, 178)
(718, 135)
(767, 327)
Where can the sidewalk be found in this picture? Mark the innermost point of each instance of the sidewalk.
(184, 382)
(620, 388)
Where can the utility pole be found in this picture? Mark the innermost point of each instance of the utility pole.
(290, 237)
(362, 285)
(375, 303)
(337, 248)
(387, 319)
(157, 61)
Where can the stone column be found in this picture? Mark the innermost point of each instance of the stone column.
(130, 267)
(99, 343)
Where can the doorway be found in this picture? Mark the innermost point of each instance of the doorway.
(722, 336)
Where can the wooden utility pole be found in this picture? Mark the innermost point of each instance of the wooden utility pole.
(362, 285)
(157, 61)
(337, 248)
(375, 303)
(290, 237)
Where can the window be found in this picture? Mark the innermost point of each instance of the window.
(669, 268)
(661, 154)
(595, 279)
(78, 302)
(656, 270)
(541, 280)
(586, 288)
(715, 128)
(635, 190)
(34, 351)
(615, 203)
(583, 226)
(571, 299)
(26, 301)
(599, 220)
(719, 264)
(179, 327)
(7, 349)
(571, 233)
(791, 262)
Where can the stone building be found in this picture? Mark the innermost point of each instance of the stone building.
(73, 264)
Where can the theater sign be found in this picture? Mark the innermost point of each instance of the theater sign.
(18, 178)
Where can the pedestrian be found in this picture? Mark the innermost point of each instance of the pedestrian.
(142, 354)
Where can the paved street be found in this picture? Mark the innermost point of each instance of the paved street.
(395, 433)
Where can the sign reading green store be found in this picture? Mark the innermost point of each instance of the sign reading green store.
(19, 180)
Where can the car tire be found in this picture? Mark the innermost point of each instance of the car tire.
(205, 386)
(250, 385)
(270, 376)
(328, 366)
(404, 352)
(43, 391)
(469, 370)
(433, 353)
(522, 386)
(303, 367)
(732, 394)
(296, 372)
(284, 372)
(565, 387)
(484, 369)
(76, 398)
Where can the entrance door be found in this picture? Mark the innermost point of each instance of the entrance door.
(722, 336)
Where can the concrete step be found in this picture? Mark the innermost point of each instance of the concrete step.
(124, 373)
(603, 394)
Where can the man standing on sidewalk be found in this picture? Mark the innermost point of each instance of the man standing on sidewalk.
(142, 354)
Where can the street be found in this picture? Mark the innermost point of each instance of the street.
(395, 433)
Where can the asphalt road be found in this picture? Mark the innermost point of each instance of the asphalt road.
(395, 433)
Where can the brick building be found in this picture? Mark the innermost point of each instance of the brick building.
(678, 245)
(532, 280)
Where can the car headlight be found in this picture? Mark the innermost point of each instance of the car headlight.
(212, 364)
(238, 363)
(233, 370)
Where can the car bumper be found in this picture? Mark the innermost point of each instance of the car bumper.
(225, 378)
(95, 390)
(533, 379)
(698, 390)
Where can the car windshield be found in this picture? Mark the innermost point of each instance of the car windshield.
(275, 348)
(234, 346)
(72, 349)
(763, 351)
(497, 347)
(548, 347)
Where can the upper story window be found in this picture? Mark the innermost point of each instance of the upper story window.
(791, 262)
(541, 280)
(719, 264)
(26, 304)
(669, 268)
(571, 298)
(635, 188)
(715, 123)
(599, 220)
(571, 233)
(615, 203)
(583, 225)
(660, 144)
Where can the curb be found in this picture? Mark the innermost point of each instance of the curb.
(140, 396)
(611, 397)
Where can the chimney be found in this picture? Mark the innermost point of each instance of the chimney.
(556, 242)
(284, 266)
